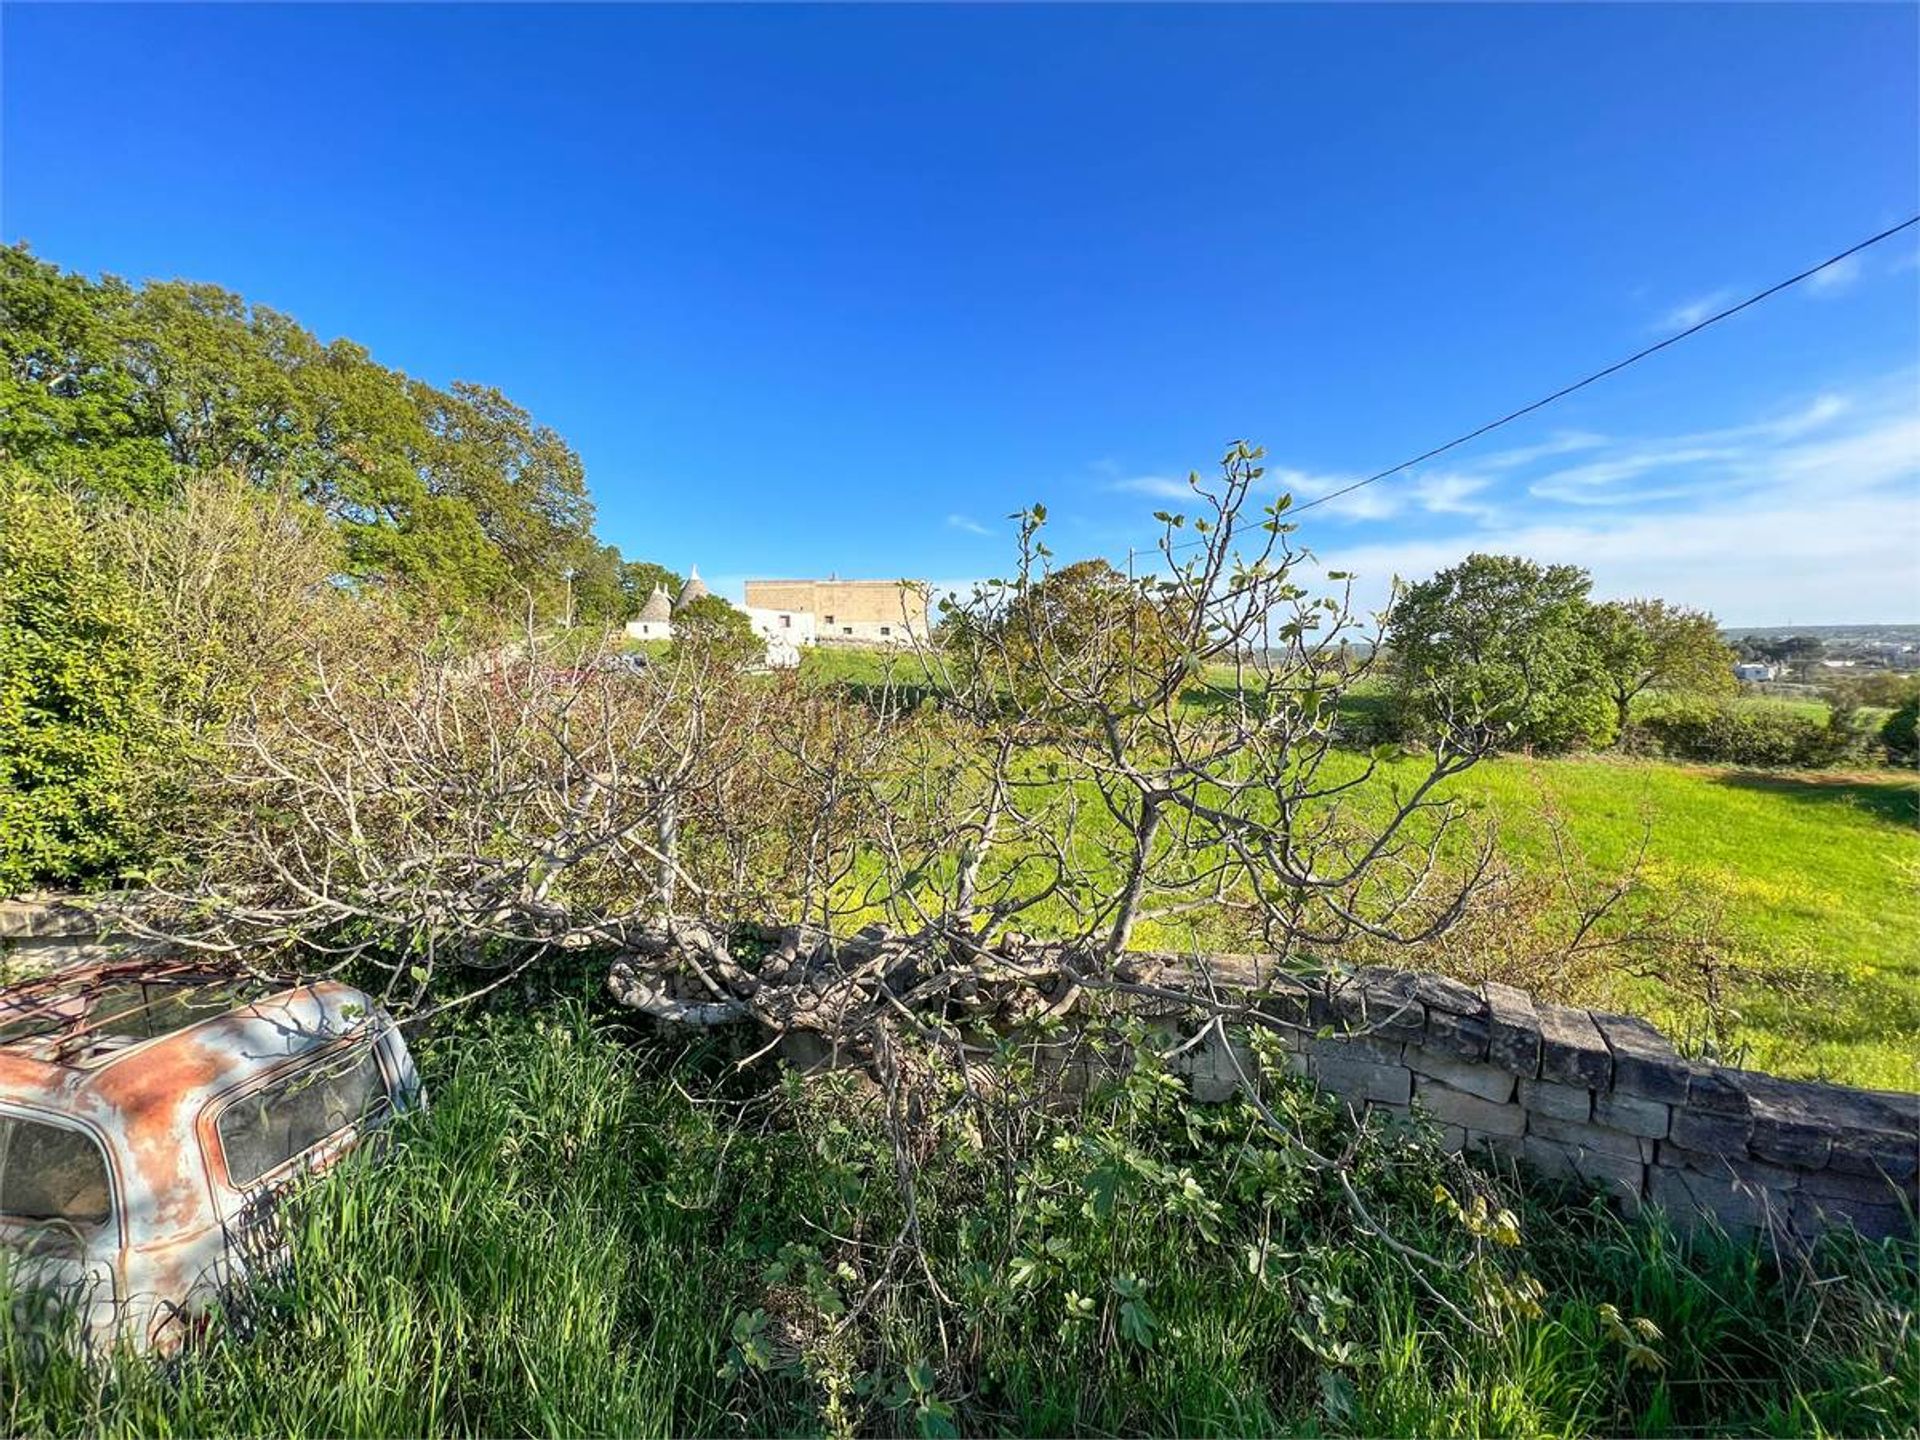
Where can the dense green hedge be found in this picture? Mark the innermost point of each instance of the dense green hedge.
(79, 695)
(1901, 732)
(1727, 732)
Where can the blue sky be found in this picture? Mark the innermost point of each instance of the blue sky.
(836, 289)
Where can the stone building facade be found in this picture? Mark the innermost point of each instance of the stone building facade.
(786, 632)
(873, 612)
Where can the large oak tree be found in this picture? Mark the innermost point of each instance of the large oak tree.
(123, 391)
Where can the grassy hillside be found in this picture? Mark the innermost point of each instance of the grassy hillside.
(1813, 880)
(1819, 872)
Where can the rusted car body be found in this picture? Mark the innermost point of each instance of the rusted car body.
(149, 1117)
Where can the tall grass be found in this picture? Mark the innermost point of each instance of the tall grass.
(585, 1236)
(519, 1264)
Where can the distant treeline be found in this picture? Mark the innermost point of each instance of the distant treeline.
(121, 391)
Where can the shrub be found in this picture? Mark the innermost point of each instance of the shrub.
(128, 635)
(709, 625)
(240, 590)
(1898, 733)
(1727, 732)
(1500, 647)
(79, 700)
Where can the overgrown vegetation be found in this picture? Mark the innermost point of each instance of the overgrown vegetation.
(1782, 888)
(192, 489)
(257, 657)
(132, 636)
(586, 1237)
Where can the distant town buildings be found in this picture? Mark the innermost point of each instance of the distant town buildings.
(1801, 655)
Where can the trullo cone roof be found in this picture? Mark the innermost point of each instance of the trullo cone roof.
(695, 588)
(658, 608)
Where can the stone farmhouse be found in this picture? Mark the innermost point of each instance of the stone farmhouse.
(871, 612)
(791, 615)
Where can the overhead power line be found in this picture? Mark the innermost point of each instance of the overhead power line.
(1613, 369)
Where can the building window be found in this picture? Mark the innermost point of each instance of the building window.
(886, 629)
(829, 619)
(846, 629)
(786, 622)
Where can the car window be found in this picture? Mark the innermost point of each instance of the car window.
(113, 1015)
(262, 1131)
(50, 1172)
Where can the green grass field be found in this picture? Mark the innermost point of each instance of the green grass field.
(1819, 872)
(1813, 879)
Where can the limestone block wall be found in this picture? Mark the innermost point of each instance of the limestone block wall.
(1605, 1099)
(38, 934)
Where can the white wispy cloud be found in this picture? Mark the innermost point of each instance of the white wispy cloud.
(1810, 515)
(1808, 561)
(1835, 278)
(1692, 312)
(1452, 494)
(1808, 512)
(1675, 466)
(1438, 493)
(1564, 443)
(1432, 492)
(1165, 487)
(1371, 503)
(968, 524)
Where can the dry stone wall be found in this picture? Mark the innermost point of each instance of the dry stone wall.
(38, 934)
(1591, 1097)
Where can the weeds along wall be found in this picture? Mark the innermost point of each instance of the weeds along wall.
(1591, 1097)
(1574, 1094)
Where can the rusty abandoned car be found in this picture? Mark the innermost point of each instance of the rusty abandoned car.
(151, 1115)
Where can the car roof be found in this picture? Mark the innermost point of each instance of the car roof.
(120, 1042)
